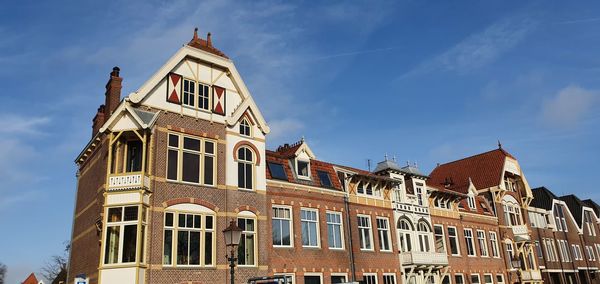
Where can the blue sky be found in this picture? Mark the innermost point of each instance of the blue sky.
(425, 82)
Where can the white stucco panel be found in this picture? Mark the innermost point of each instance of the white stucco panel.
(118, 275)
(122, 198)
(260, 180)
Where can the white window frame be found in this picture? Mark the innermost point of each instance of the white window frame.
(500, 280)
(491, 278)
(384, 232)
(369, 229)
(316, 222)
(459, 275)
(291, 275)
(370, 275)
(471, 201)
(313, 274)
(443, 236)
(245, 162)
(470, 240)
(495, 246)
(345, 275)
(291, 220)
(482, 242)
(393, 275)
(250, 216)
(307, 177)
(471, 278)
(245, 125)
(456, 240)
(341, 228)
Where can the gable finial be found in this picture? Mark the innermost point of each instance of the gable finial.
(499, 144)
(302, 139)
(394, 158)
(385, 157)
(195, 34)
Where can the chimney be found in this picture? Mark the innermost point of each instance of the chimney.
(98, 120)
(113, 93)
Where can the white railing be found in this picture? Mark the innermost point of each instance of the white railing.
(423, 258)
(528, 275)
(127, 181)
(410, 208)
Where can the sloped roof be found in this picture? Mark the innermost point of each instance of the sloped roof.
(575, 206)
(543, 198)
(412, 170)
(485, 170)
(315, 166)
(30, 279)
(592, 204)
(205, 44)
(387, 165)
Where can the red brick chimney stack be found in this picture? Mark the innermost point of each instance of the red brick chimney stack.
(98, 120)
(113, 92)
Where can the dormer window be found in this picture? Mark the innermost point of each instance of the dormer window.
(245, 128)
(303, 169)
(471, 202)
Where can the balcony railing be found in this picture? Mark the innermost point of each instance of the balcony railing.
(411, 208)
(531, 275)
(423, 258)
(128, 181)
(521, 231)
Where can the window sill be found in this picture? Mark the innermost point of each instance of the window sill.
(311, 248)
(283, 247)
(189, 267)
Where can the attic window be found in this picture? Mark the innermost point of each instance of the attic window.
(324, 178)
(277, 171)
(245, 128)
(471, 202)
(302, 168)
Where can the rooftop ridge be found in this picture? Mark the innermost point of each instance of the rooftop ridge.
(477, 155)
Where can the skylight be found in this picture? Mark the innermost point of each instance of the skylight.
(277, 171)
(324, 177)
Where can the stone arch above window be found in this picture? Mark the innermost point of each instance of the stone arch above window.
(423, 226)
(253, 148)
(510, 200)
(191, 201)
(404, 224)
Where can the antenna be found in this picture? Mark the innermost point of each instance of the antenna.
(369, 164)
(385, 156)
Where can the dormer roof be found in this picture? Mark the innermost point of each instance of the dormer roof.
(291, 151)
(542, 198)
(386, 165)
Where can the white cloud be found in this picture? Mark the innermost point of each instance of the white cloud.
(479, 49)
(568, 106)
(284, 128)
(18, 124)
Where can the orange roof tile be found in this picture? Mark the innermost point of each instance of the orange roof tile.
(484, 170)
(205, 44)
(30, 279)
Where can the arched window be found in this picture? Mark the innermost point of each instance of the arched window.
(512, 211)
(189, 236)
(245, 128)
(404, 232)
(245, 168)
(247, 250)
(423, 233)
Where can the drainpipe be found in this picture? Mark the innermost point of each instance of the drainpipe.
(581, 240)
(564, 277)
(349, 234)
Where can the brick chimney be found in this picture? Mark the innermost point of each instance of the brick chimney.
(113, 93)
(98, 120)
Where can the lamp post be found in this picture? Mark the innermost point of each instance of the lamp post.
(232, 236)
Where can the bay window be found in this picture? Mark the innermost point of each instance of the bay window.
(120, 244)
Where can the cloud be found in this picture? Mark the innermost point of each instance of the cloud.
(588, 20)
(18, 124)
(479, 49)
(284, 128)
(568, 106)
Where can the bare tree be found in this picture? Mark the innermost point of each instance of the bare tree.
(56, 268)
(2, 272)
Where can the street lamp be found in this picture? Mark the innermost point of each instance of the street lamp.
(232, 239)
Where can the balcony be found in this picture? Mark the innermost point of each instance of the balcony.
(531, 275)
(423, 258)
(521, 232)
(125, 181)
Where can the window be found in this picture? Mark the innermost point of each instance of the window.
(577, 252)
(189, 239)
(589, 250)
(459, 279)
(405, 231)
(389, 278)
(488, 279)
(500, 278)
(597, 249)
(559, 217)
(423, 236)
(134, 156)
(245, 128)
(471, 202)
(469, 241)
(120, 245)
(475, 279)
(383, 231)
(364, 232)
(303, 170)
(589, 223)
(203, 96)
(246, 255)
(551, 250)
(189, 93)
(310, 227)
(483, 248)
(312, 279)
(369, 278)
(538, 249)
(184, 160)
(277, 171)
(512, 215)
(510, 252)
(281, 224)
(338, 279)
(494, 241)
(245, 168)
(443, 204)
(440, 245)
(334, 230)
(324, 178)
(419, 193)
(289, 277)
(564, 250)
(453, 238)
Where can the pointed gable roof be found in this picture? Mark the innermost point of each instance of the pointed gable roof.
(543, 198)
(592, 204)
(575, 206)
(30, 279)
(205, 44)
(485, 170)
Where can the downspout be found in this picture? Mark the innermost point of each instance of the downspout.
(586, 256)
(349, 233)
(564, 278)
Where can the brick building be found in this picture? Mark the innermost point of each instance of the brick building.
(564, 230)
(170, 165)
